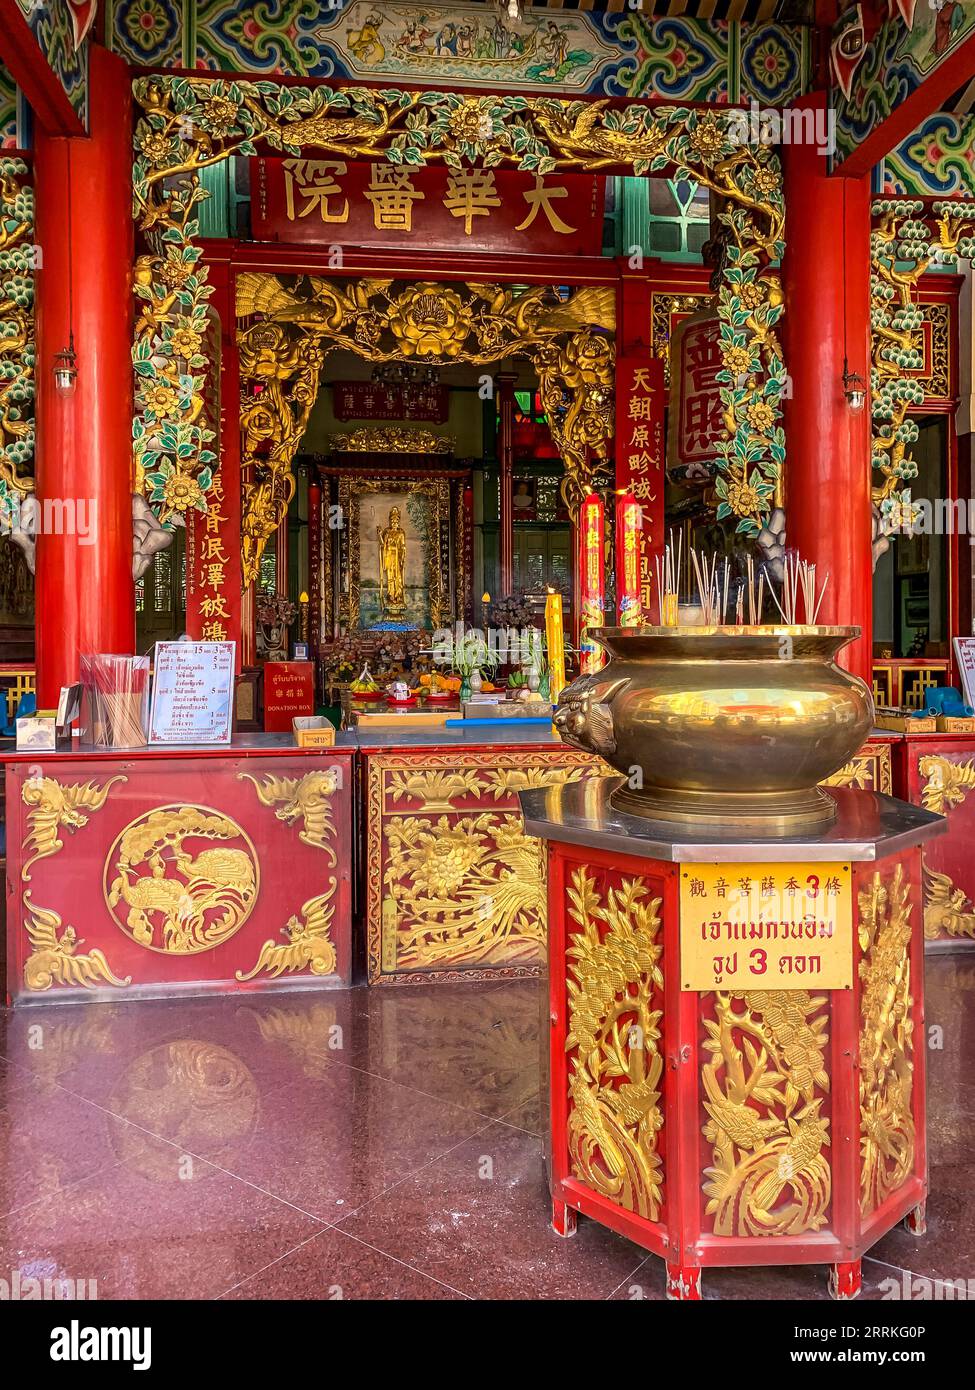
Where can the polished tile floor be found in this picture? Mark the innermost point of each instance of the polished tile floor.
(360, 1144)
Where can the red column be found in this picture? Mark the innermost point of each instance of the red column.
(826, 281)
(84, 590)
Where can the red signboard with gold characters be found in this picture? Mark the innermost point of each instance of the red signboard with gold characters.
(212, 872)
(333, 201)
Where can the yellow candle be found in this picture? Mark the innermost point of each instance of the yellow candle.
(555, 642)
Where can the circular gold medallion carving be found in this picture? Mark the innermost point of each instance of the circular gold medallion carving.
(181, 879)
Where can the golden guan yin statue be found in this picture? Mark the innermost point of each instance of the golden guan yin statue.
(392, 567)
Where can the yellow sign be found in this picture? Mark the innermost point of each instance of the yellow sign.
(766, 926)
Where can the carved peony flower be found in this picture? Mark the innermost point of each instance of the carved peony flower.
(472, 122)
(736, 359)
(174, 273)
(181, 493)
(156, 147)
(161, 399)
(430, 321)
(761, 416)
(185, 342)
(752, 295)
(766, 181)
(743, 500)
(707, 138)
(220, 115)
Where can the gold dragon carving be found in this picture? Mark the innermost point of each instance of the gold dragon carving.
(302, 319)
(55, 958)
(764, 1087)
(308, 941)
(887, 1134)
(946, 783)
(190, 123)
(615, 1073)
(946, 908)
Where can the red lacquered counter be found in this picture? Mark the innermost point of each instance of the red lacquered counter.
(157, 871)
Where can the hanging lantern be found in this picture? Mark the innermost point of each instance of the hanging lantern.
(66, 369)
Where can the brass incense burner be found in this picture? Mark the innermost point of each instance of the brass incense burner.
(723, 727)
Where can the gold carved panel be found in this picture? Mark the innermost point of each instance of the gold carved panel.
(454, 886)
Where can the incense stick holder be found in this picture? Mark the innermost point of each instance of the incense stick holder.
(730, 728)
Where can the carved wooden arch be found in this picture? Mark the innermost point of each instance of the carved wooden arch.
(301, 319)
(188, 123)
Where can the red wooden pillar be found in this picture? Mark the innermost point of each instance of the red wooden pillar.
(826, 280)
(84, 589)
(506, 428)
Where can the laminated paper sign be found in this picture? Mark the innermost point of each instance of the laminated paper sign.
(766, 926)
(192, 692)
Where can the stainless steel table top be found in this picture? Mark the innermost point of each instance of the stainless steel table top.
(868, 826)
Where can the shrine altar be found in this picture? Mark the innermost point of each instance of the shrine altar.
(730, 1085)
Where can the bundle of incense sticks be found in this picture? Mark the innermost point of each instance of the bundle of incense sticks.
(116, 692)
(800, 590)
(799, 581)
(668, 579)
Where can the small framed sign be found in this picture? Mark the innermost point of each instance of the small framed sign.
(965, 657)
(192, 693)
(766, 926)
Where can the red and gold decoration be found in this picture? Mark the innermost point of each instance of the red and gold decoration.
(940, 773)
(639, 461)
(555, 644)
(629, 530)
(454, 888)
(320, 202)
(592, 580)
(214, 870)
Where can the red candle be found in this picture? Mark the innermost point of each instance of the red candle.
(629, 523)
(592, 585)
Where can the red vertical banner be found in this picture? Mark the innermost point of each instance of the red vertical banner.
(629, 528)
(592, 580)
(639, 458)
(213, 575)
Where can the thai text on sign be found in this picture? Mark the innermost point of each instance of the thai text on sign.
(192, 692)
(766, 926)
(324, 201)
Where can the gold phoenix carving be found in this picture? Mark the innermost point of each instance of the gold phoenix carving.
(612, 976)
(55, 958)
(887, 1133)
(171, 901)
(764, 1087)
(946, 908)
(946, 783)
(304, 318)
(189, 123)
(307, 801)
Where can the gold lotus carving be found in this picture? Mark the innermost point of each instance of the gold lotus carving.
(887, 1134)
(764, 1088)
(615, 1073)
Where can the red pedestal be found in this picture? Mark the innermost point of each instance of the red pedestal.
(749, 1126)
(826, 281)
(84, 590)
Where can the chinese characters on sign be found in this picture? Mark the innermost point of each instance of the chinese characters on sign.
(192, 692)
(324, 201)
(766, 926)
(369, 400)
(592, 581)
(212, 569)
(696, 425)
(639, 456)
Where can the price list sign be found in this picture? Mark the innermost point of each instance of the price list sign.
(192, 692)
(766, 926)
